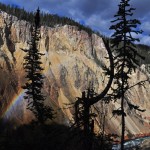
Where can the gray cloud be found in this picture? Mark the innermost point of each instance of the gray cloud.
(95, 13)
(90, 7)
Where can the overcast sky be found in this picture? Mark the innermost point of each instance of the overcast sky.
(94, 13)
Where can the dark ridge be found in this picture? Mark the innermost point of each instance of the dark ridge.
(50, 20)
(143, 46)
(53, 20)
(144, 50)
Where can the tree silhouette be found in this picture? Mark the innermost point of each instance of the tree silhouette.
(84, 119)
(34, 84)
(125, 56)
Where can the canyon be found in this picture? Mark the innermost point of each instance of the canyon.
(72, 63)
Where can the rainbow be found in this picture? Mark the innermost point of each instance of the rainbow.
(15, 100)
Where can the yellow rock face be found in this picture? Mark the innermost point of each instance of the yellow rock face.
(72, 63)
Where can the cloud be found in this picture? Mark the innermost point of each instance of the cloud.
(88, 7)
(145, 39)
(98, 24)
(146, 26)
(94, 13)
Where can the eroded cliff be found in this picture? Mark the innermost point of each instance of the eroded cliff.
(72, 63)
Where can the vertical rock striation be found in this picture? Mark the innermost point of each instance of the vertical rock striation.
(72, 63)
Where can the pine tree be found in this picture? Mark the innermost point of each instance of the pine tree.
(125, 59)
(33, 69)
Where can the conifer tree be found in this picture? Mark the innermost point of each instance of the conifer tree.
(125, 56)
(33, 69)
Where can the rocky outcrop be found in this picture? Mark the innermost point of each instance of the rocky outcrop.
(72, 63)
